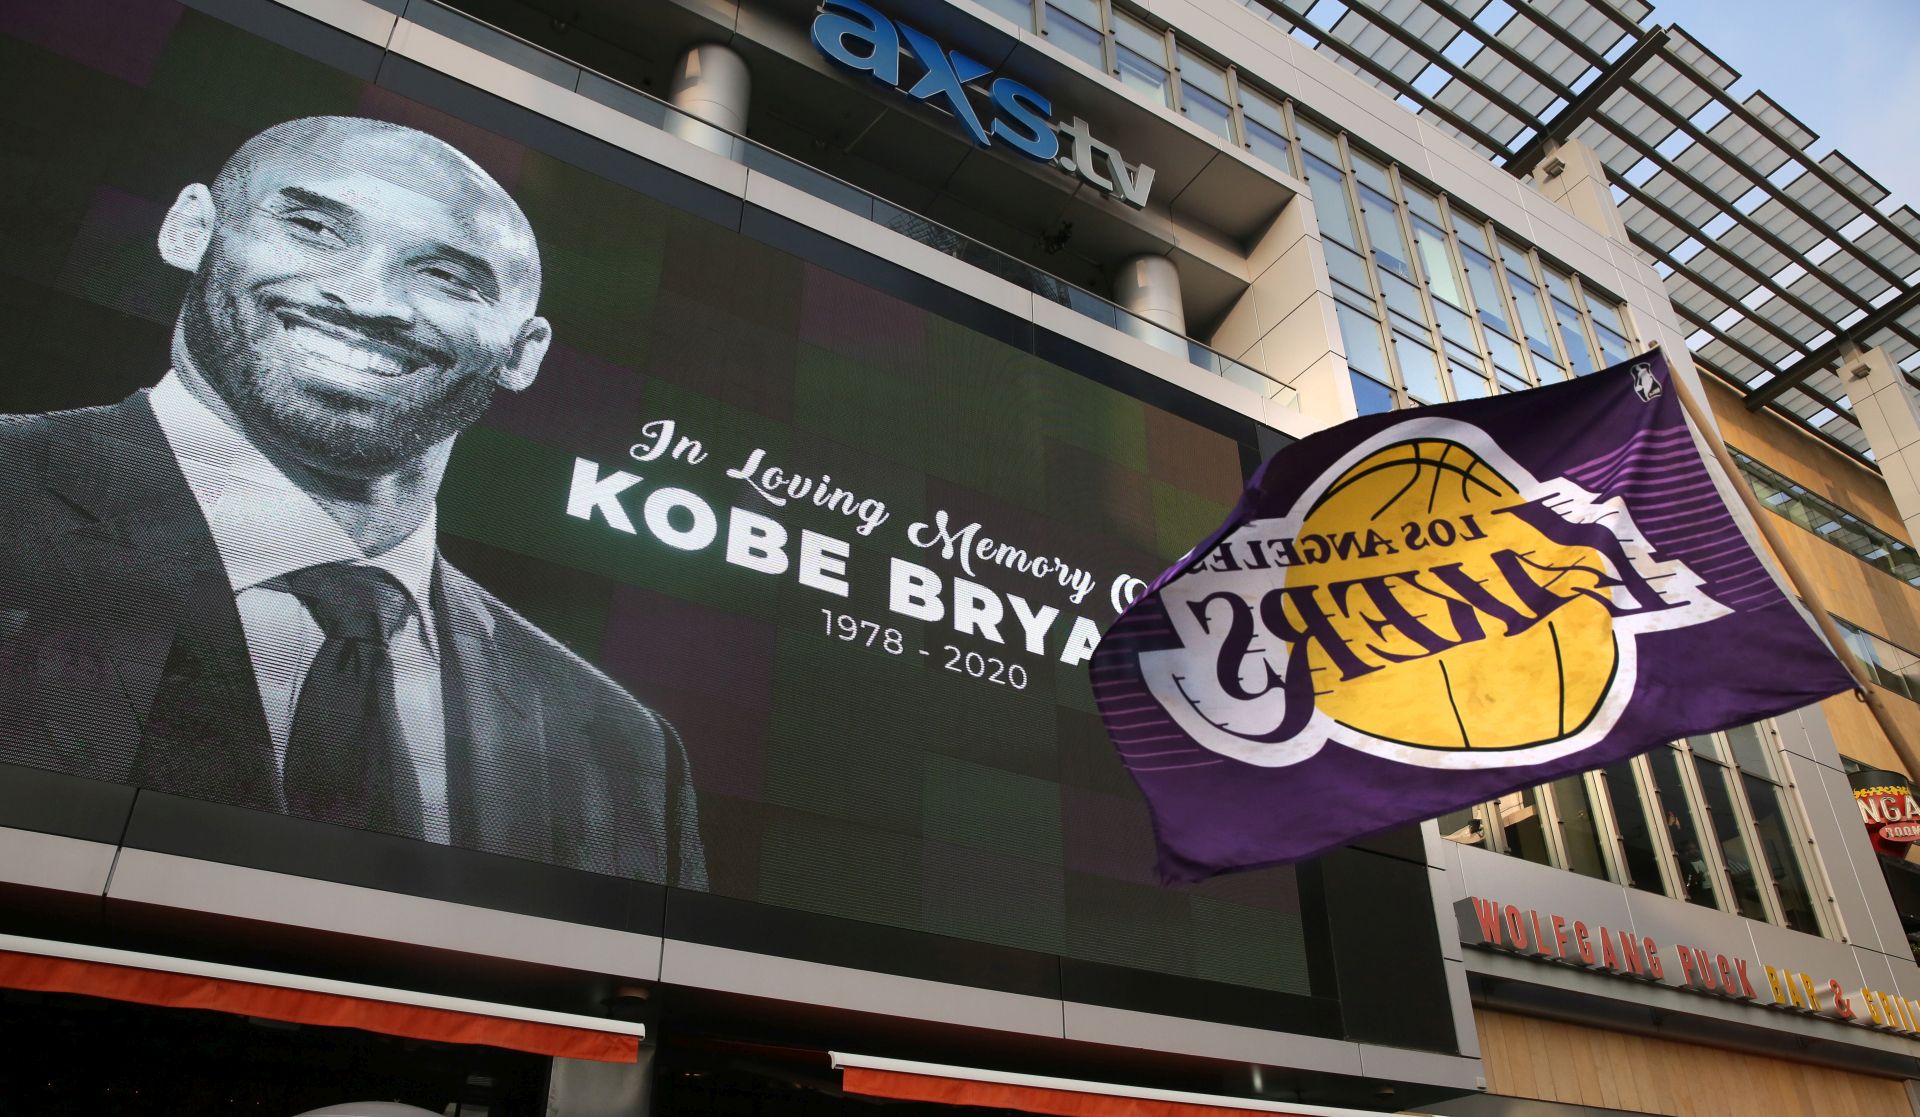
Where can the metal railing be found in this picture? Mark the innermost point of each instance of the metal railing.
(651, 110)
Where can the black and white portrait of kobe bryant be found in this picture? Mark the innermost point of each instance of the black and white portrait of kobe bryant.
(227, 586)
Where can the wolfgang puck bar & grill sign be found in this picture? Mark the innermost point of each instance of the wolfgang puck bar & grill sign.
(1552, 937)
(1887, 809)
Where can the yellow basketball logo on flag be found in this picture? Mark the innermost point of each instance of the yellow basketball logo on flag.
(1444, 500)
(1428, 600)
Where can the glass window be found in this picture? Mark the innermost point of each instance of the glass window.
(1829, 521)
(1683, 833)
(1019, 11)
(1419, 369)
(1729, 828)
(1579, 827)
(1406, 325)
(1437, 262)
(1422, 203)
(1613, 348)
(1782, 853)
(1074, 26)
(1862, 644)
(1638, 850)
(1140, 54)
(1371, 397)
(1558, 285)
(1372, 173)
(1706, 744)
(1604, 314)
(1486, 289)
(1402, 298)
(1463, 355)
(1468, 826)
(1608, 329)
(1749, 750)
(1383, 232)
(1456, 327)
(1329, 187)
(1718, 794)
(1468, 382)
(1472, 233)
(1889, 665)
(1573, 338)
(1521, 826)
(1361, 337)
(1533, 316)
(1203, 95)
(1346, 267)
(1516, 259)
(1317, 140)
(1506, 355)
(1266, 128)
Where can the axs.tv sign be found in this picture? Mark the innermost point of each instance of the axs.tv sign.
(855, 35)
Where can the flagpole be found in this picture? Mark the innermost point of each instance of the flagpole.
(1797, 577)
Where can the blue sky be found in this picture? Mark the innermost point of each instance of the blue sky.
(1848, 69)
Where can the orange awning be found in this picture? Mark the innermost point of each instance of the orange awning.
(55, 967)
(928, 1082)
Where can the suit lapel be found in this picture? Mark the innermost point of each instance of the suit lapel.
(498, 783)
(142, 561)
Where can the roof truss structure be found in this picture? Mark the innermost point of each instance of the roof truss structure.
(1777, 258)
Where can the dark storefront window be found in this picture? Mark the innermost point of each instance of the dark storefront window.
(1638, 850)
(1709, 820)
(1684, 832)
(1779, 846)
(1733, 848)
(1579, 827)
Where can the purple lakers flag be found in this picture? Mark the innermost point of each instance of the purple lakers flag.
(1413, 612)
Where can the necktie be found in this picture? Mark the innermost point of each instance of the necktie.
(347, 761)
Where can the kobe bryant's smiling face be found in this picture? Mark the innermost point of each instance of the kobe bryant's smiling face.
(360, 290)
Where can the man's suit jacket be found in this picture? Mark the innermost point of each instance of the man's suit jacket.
(112, 592)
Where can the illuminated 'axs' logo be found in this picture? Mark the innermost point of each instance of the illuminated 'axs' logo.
(991, 108)
(1472, 615)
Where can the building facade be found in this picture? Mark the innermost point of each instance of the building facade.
(841, 367)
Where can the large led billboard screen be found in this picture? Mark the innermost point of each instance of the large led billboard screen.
(363, 465)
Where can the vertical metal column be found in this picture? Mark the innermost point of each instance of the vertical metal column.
(711, 83)
(1149, 286)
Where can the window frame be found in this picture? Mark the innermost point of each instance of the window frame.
(1700, 814)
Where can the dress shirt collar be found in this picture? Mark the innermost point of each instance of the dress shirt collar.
(263, 524)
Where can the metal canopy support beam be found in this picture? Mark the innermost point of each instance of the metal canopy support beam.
(1745, 267)
(1700, 323)
(1828, 355)
(1789, 416)
(1752, 120)
(1425, 50)
(1699, 188)
(1586, 105)
(1758, 361)
(1759, 319)
(1385, 76)
(1839, 446)
(1653, 101)
(1487, 40)
(1572, 42)
(1525, 65)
